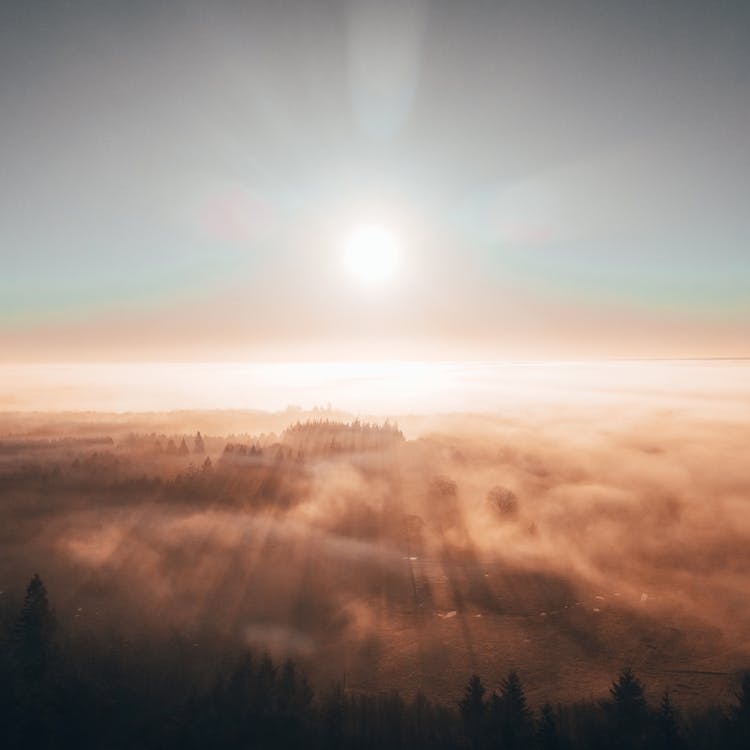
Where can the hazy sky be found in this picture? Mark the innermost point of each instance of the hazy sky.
(564, 179)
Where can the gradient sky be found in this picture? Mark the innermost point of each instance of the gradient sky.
(566, 179)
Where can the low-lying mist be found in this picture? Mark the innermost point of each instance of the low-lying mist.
(562, 543)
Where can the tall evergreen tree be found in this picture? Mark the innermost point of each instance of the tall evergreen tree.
(198, 444)
(472, 708)
(34, 629)
(629, 709)
(514, 721)
(667, 727)
(740, 719)
(332, 717)
(32, 640)
(547, 735)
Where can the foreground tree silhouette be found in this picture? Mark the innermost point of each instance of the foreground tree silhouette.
(332, 716)
(547, 736)
(667, 727)
(34, 630)
(94, 694)
(629, 710)
(511, 719)
(33, 720)
(740, 716)
(472, 710)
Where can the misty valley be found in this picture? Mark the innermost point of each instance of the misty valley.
(370, 565)
(374, 375)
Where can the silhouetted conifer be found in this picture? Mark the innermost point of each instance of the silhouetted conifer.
(332, 710)
(66, 693)
(740, 716)
(629, 710)
(472, 709)
(548, 737)
(667, 729)
(34, 629)
(198, 444)
(511, 718)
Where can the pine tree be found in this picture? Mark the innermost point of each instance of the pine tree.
(629, 709)
(294, 698)
(198, 444)
(333, 716)
(667, 728)
(515, 723)
(34, 629)
(547, 734)
(740, 720)
(472, 708)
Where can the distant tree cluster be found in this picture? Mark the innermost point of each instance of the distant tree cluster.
(253, 455)
(173, 449)
(57, 691)
(105, 462)
(170, 445)
(15, 446)
(243, 449)
(324, 436)
(246, 475)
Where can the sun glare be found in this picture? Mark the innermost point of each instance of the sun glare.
(371, 253)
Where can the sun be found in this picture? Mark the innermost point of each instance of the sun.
(371, 253)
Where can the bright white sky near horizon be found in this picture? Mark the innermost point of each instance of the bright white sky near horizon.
(184, 181)
(708, 389)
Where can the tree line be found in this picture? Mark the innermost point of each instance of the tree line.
(59, 691)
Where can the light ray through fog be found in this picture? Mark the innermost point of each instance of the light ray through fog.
(627, 527)
(373, 344)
